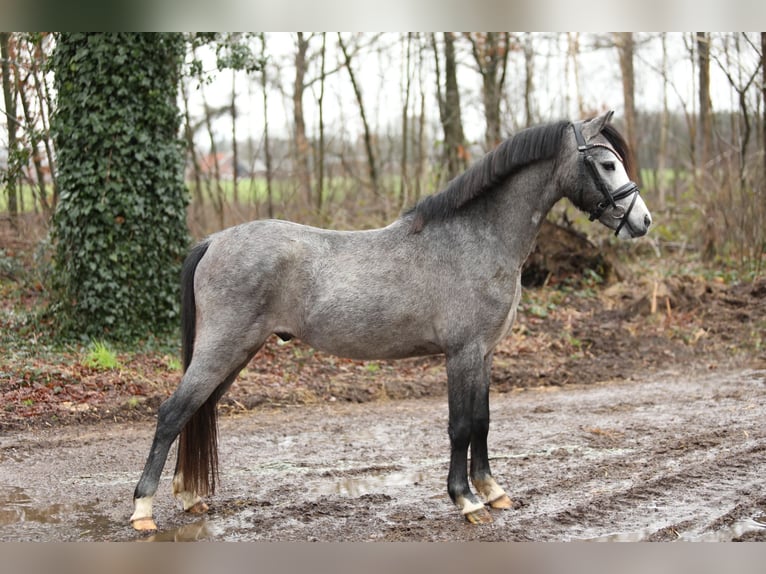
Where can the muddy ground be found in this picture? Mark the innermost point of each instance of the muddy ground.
(675, 455)
(633, 411)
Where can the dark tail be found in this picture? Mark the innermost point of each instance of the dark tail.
(198, 442)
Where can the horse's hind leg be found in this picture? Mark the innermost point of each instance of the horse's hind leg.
(197, 446)
(171, 417)
(213, 367)
(481, 476)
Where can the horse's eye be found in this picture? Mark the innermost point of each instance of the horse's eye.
(608, 165)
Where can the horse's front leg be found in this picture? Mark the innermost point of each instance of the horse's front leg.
(481, 476)
(465, 378)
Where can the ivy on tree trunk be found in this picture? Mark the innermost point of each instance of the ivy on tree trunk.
(120, 225)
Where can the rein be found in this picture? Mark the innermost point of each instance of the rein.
(609, 196)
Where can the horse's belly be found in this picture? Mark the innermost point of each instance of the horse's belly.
(368, 347)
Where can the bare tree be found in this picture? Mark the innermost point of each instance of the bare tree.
(212, 165)
(490, 51)
(667, 118)
(664, 125)
(449, 107)
(741, 87)
(626, 50)
(33, 139)
(302, 146)
(234, 145)
(691, 114)
(266, 140)
(763, 116)
(320, 103)
(407, 81)
(529, 74)
(38, 63)
(371, 163)
(421, 154)
(9, 96)
(573, 56)
(191, 150)
(705, 105)
(34, 136)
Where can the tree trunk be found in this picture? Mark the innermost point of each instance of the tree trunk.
(266, 141)
(403, 183)
(34, 140)
(12, 123)
(191, 149)
(234, 146)
(711, 238)
(119, 229)
(705, 118)
(691, 117)
(421, 154)
(37, 62)
(302, 147)
(529, 86)
(491, 56)
(625, 47)
(664, 127)
(454, 122)
(371, 164)
(763, 109)
(212, 166)
(573, 52)
(215, 188)
(321, 150)
(449, 108)
(742, 87)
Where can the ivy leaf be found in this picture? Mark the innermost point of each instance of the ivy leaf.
(120, 225)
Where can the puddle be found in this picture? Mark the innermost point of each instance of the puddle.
(636, 536)
(736, 530)
(729, 533)
(18, 508)
(355, 486)
(201, 530)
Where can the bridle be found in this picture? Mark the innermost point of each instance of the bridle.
(610, 197)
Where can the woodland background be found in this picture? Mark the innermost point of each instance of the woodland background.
(118, 151)
(300, 125)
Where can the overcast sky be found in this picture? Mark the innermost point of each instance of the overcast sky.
(380, 75)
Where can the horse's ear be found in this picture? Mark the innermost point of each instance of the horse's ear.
(593, 127)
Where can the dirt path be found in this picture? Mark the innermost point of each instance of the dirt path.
(673, 455)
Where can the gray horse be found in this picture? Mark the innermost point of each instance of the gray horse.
(443, 278)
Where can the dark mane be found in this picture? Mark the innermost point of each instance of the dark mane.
(620, 145)
(525, 147)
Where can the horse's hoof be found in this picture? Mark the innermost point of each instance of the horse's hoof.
(144, 524)
(198, 507)
(479, 516)
(503, 502)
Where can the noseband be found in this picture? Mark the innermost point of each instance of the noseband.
(610, 197)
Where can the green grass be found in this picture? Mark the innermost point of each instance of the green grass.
(173, 363)
(249, 191)
(26, 199)
(101, 356)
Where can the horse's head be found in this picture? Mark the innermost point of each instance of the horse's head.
(603, 188)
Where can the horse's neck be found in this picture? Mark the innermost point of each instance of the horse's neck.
(525, 201)
(518, 210)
